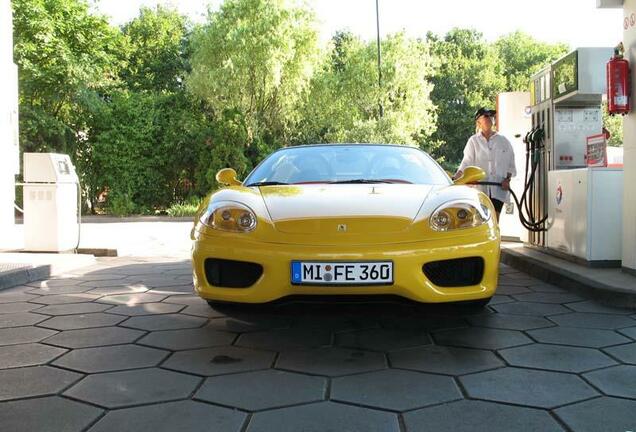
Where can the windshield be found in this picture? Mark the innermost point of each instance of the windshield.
(356, 163)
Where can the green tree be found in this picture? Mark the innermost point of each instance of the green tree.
(256, 57)
(63, 52)
(344, 102)
(522, 56)
(158, 50)
(469, 75)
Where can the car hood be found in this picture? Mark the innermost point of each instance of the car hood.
(359, 207)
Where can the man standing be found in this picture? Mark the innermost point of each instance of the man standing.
(494, 154)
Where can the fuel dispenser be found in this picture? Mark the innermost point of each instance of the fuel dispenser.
(580, 207)
(51, 203)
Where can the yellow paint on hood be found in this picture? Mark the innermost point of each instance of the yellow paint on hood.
(310, 209)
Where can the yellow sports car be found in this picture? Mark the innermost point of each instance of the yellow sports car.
(346, 219)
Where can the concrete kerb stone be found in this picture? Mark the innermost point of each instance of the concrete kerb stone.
(574, 282)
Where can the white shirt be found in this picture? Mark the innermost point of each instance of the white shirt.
(496, 157)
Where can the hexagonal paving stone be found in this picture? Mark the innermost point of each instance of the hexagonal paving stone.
(546, 287)
(9, 308)
(73, 322)
(111, 358)
(57, 299)
(602, 414)
(67, 289)
(383, 339)
(331, 361)
(27, 355)
(424, 322)
(625, 353)
(46, 414)
(252, 391)
(592, 306)
(34, 381)
(499, 299)
(286, 339)
(323, 416)
(164, 322)
(186, 299)
(395, 390)
(593, 320)
(74, 308)
(629, 332)
(556, 357)
(15, 297)
(19, 319)
(471, 415)
(531, 308)
(248, 324)
(336, 323)
(146, 309)
(21, 335)
(593, 338)
(615, 381)
(445, 360)
(120, 289)
(202, 310)
(527, 387)
(219, 360)
(557, 298)
(509, 322)
(511, 289)
(177, 340)
(54, 283)
(476, 337)
(119, 389)
(84, 338)
(132, 299)
(172, 416)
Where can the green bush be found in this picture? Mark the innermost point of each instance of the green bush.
(188, 208)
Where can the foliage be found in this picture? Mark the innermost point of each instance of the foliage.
(62, 51)
(344, 102)
(522, 56)
(469, 75)
(256, 57)
(182, 209)
(158, 50)
(614, 125)
(150, 111)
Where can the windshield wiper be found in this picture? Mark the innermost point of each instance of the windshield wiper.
(267, 183)
(361, 181)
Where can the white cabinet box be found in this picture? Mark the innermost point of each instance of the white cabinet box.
(585, 208)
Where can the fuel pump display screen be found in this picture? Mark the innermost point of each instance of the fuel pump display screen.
(565, 76)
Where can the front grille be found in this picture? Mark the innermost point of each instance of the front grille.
(455, 272)
(232, 274)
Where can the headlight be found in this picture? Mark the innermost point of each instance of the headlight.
(459, 214)
(229, 216)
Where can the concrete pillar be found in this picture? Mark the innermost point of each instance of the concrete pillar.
(9, 154)
(629, 140)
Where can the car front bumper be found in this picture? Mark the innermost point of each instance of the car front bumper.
(410, 281)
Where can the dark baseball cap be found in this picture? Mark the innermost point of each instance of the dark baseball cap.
(483, 111)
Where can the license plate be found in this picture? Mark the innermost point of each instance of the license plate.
(342, 273)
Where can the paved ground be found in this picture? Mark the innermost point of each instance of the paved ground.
(124, 346)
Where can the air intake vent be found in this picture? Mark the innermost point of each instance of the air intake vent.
(455, 272)
(232, 274)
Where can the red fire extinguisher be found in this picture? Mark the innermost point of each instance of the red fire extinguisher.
(618, 83)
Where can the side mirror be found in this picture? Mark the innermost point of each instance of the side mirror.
(227, 176)
(471, 174)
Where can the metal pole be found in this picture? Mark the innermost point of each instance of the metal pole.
(377, 21)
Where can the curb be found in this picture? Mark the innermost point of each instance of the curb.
(552, 273)
(24, 275)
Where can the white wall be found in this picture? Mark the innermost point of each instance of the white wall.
(629, 144)
(9, 155)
